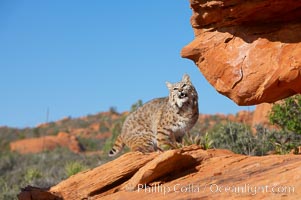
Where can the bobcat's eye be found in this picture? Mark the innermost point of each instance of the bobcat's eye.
(184, 85)
(175, 88)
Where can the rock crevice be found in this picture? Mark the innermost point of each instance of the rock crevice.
(163, 175)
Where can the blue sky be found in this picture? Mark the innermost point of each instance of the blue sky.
(82, 57)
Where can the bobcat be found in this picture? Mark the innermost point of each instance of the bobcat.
(160, 122)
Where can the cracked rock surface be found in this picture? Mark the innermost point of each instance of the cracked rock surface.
(250, 51)
(187, 173)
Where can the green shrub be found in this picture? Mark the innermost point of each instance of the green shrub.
(190, 139)
(263, 139)
(234, 136)
(103, 129)
(116, 130)
(113, 110)
(136, 105)
(8, 192)
(31, 174)
(239, 139)
(74, 167)
(89, 144)
(287, 114)
(43, 169)
(285, 142)
(206, 141)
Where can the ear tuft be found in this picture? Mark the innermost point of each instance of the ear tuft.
(169, 85)
(186, 78)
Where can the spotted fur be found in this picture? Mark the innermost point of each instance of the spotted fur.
(161, 122)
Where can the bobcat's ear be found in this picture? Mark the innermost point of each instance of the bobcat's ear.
(186, 78)
(169, 85)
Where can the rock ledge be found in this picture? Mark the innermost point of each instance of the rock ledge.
(248, 50)
(181, 174)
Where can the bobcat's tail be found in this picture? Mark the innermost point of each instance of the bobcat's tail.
(118, 146)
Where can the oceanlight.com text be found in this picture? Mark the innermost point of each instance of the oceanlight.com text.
(251, 189)
(246, 189)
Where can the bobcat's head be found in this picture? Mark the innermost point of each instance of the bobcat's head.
(182, 92)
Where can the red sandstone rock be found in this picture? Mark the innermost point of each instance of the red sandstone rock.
(244, 116)
(106, 179)
(33, 193)
(188, 173)
(261, 114)
(35, 145)
(248, 50)
(162, 165)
